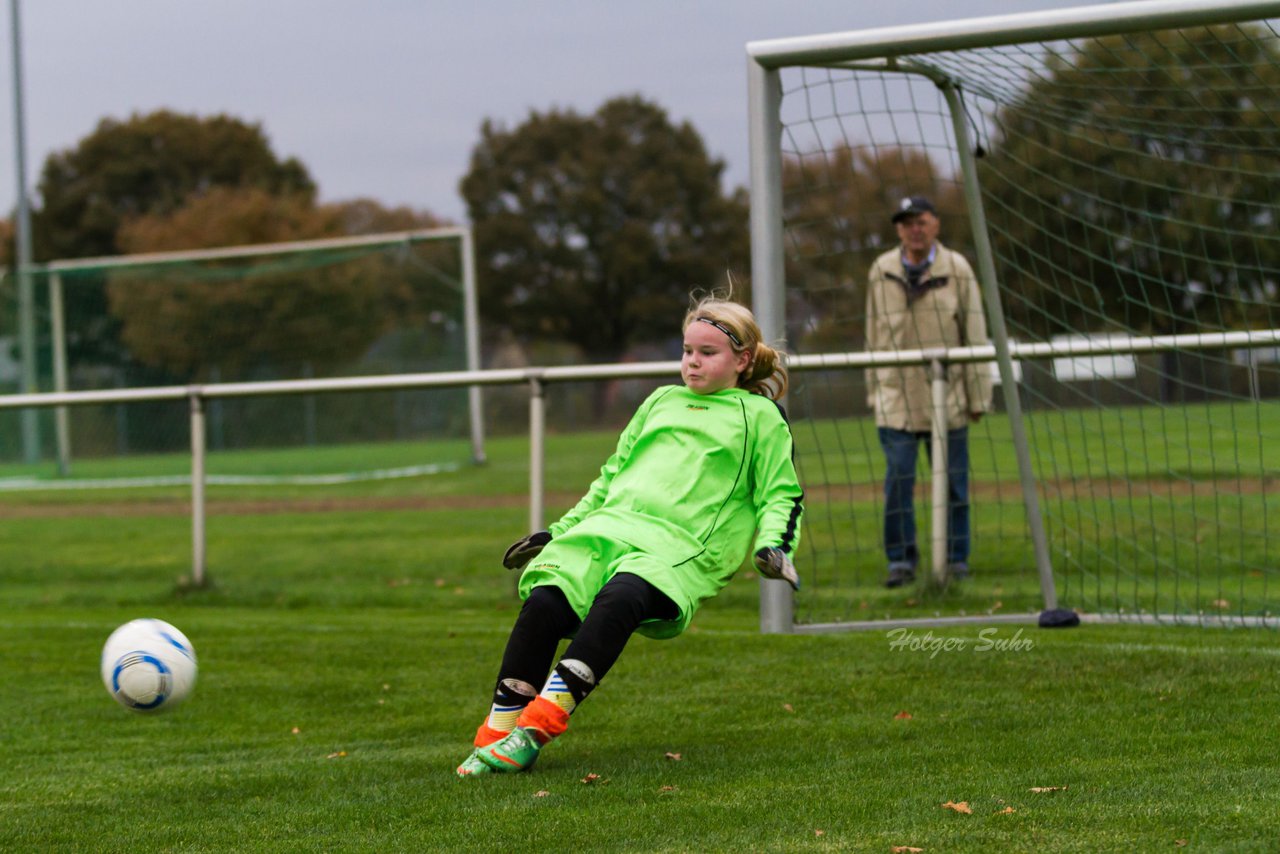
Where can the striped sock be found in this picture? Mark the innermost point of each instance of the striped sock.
(558, 692)
(569, 684)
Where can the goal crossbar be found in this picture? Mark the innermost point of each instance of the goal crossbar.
(964, 33)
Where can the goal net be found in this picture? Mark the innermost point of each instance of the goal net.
(376, 304)
(1115, 169)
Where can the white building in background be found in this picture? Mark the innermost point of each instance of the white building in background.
(1122, 366)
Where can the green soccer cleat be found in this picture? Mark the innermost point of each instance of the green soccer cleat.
(472, 765)
(517, 752)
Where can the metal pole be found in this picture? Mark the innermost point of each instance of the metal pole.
(26, 291)
(58, 331)
(471, 331)
(768, 279)
(1000, 338)
(537, 432)
(938, 445)
(197, 488)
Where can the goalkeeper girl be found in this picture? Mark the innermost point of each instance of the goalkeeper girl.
(700, 471)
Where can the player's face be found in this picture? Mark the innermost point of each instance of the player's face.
(709, 364)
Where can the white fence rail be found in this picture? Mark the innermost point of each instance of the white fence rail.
(538, 378)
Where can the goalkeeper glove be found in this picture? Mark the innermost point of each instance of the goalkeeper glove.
(774, 563)
(524, 550)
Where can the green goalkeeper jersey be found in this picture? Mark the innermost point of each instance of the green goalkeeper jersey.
(693, 478)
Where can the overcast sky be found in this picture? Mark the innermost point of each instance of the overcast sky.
(384, 98)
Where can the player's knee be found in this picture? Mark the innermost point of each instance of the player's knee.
(549, 610)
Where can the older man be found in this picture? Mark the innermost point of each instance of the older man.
(922, 295)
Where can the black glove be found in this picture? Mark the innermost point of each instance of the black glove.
(524, 550)
(774, 563)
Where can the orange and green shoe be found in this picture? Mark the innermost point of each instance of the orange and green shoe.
(472, 765)
(517, 752)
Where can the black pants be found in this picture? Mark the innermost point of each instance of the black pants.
(619, 608)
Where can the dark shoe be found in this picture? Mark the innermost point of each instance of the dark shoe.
(900, 574)
(958, 571)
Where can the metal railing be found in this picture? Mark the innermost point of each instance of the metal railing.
(538, 378)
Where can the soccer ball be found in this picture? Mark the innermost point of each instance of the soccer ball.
(148, 665)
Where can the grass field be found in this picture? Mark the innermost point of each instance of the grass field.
(347, 657)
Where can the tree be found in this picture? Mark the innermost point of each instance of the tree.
(146, 166)
(837, 206)
(595, 229)
(8, 252)
(8, 290)
(1133, 184)
(290, 317)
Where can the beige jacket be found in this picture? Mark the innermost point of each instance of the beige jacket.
(948, 314)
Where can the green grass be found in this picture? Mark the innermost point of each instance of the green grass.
(375, 636)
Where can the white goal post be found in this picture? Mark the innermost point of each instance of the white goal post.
(842, 121)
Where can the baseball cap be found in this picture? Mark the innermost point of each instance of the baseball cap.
(911, 206)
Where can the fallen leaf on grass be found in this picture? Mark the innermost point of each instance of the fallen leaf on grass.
(669, 789)
(902, 716)
(1048, 788)
(1007, 811)
(817, 832)
(338, 755)
(1221, 603)
(674, 757)
(1180, 842)
(787, 707)
(541, 794)
(295, 730)
(905, 849)
(963, 807)
(594, 778)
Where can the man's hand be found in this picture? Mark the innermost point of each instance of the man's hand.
(774, 563)
(524, 550)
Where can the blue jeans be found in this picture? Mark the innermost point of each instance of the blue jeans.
(900, 451)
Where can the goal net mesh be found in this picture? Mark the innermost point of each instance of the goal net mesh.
(1129, 184)
(345, 310)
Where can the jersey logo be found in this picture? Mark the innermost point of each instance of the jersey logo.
(696, 406)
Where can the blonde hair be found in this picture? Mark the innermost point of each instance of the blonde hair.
(765, 374)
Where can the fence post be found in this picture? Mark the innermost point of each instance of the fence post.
(197, 486)
(537, 433)
(938, 440)
(58, 345)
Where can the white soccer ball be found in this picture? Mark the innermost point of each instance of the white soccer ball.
(148, 665)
